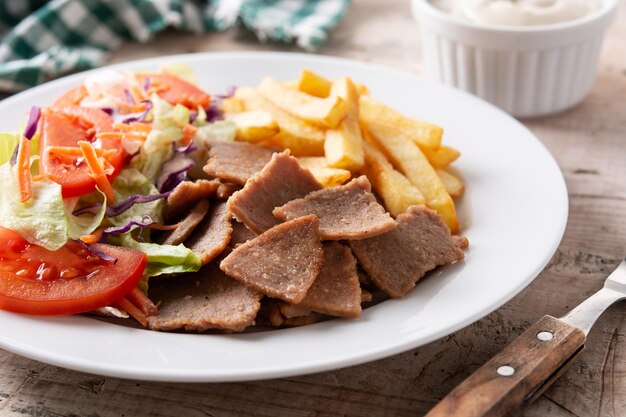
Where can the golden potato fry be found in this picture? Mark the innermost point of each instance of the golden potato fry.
(409, 159)
(291, 84)
(395, 189)
(442, 157)
(313, 84)
(328, 112)
(343, 146)
(232, 105)
(362, 90)
(330, 177)
(313, 161)
(302, 138)
(382, 120)
(453, 185)
(318, 86)
(254, 125)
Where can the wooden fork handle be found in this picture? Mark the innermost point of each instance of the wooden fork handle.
(517, 375)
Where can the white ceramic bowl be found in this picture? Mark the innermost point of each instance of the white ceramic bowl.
(527, 71)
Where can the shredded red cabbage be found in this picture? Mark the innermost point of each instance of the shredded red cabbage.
(187, 149)
(31, 124)
(107, 110)
(139, 116)
(213, 112)
(29, 131)
(122, 206)
(173, 172)
(145, 221)
(146, 83)
(129, 97)
(13, 159)
(104, 256)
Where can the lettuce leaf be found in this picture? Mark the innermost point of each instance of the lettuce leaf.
(85, 224)
(162, 259)
(180, 70)
(167, 128)
(8, 142)
(129, 182)
(44, 219)
(221, 130)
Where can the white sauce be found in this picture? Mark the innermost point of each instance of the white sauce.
(519, 12)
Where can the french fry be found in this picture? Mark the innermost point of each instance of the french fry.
(395, 189)
(313, 161)
(362, 90)
(291, 84)
(343, 146)
(318, 86)
(409, 159)
(328, 112)
(302, 138)
(442, 157)
(328, 177)
(313, 84)
(453, 185)
(254, 125)
(382, 120)
(232, 105)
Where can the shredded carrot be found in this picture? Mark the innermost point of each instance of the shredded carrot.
(76, 151)
(97, 171)
(189, 131)
(24, 180)
(158, 88)
(38, 178)
(94, 237)
(137, 92)
(52, 177)
(133, 127)
(130, 108)
(133, 311)
(139, 299)
(163, 226)
(121, 135)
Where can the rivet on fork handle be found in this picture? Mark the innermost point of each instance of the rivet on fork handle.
(517, 375)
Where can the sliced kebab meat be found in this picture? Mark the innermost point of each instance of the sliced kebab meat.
(211, 236)
(396, 260)
(207, 299)
(336, 291)
(186, 226)
(236, 162)
(347, 211)
(280, 181)
(282, 262)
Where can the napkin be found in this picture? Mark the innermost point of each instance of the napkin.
(44, 40)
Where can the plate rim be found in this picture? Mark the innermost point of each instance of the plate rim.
(389, 349)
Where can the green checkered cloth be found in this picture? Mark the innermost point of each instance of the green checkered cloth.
(43, 40)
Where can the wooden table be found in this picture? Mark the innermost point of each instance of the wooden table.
(589, 143)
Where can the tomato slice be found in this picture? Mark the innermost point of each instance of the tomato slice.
(66, 126)
(175, 90)
(72, 98)
(71, 280)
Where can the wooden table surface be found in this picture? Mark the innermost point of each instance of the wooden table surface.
(589, 143)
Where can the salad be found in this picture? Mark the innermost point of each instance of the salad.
(83, 185)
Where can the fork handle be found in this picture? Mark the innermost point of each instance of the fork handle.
(518, 374)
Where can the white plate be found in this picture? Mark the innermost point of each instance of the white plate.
(514, 212)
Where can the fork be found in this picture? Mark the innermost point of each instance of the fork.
(521, 372)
